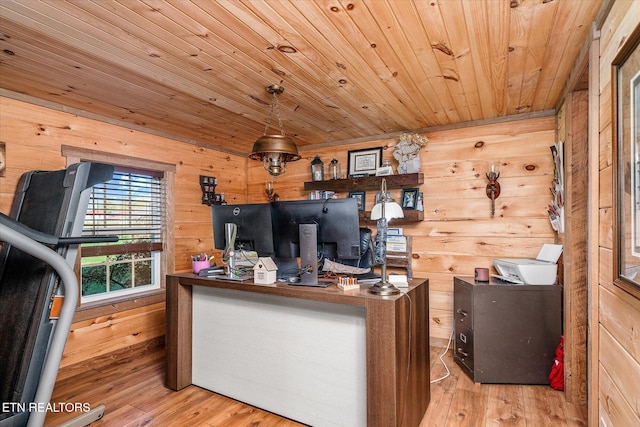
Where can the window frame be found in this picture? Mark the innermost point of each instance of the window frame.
(132, 178)
(167, 264)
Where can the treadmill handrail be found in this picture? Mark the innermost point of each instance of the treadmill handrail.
(59, 339)
(48, 239)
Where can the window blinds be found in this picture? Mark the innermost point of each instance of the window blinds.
(131, 206)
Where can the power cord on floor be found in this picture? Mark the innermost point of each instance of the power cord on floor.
(442, 360)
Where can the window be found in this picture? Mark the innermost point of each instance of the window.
(131, 206)
(161, 257)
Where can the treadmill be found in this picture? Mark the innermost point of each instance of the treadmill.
(39, 244)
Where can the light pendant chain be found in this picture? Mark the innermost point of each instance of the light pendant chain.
(274, 106)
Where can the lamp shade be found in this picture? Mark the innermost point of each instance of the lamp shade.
(277, 144)
(391, 210)
(274, 151)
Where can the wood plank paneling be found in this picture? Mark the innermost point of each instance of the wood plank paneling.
(618, 316)
(197, 71)
(618, 356)
(458, 233)
(441, 254)
(621, 367)
(575, 242)
(103, 335)
(27, 129)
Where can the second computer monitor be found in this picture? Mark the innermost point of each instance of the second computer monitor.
(253, 221)
(337, 220)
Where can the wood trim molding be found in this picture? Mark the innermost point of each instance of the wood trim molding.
(453, 126)
(593, 236)
(78, 153)
(116, 305)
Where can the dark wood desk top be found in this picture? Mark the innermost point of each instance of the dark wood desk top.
(329, 294)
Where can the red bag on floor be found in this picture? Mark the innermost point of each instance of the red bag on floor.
(556, 377)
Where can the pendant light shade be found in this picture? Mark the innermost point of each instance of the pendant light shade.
(274, 150)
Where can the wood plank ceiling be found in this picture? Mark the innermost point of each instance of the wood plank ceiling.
(351, 69)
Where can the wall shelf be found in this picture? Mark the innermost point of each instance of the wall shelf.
(410, 215)
(369, 183)
(373, 183)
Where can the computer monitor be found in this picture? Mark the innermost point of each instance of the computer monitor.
(337, 221)
(253, 222)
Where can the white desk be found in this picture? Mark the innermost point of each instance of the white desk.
(302, 359)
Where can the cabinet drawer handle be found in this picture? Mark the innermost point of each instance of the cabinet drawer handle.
(462, 352)
(462, 312)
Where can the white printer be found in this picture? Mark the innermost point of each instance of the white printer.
(540, 271)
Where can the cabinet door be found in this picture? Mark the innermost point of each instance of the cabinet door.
(517, 329)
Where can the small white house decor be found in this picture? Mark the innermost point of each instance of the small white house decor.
(264, 272)
(407, 152)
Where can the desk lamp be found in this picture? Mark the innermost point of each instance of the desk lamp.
(385, 210)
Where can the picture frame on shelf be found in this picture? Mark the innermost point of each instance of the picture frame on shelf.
(360, 197)
(409, 198)
(384, 171)
(363, 162)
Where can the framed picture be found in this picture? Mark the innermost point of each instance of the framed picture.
(409, 198)
(364, 162)
(626, 159)
(384, 171)
(360, 198)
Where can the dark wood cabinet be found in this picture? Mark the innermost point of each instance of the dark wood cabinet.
(506, 333)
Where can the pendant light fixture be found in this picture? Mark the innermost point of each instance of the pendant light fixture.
(274, 150)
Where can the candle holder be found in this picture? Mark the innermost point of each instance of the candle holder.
(493, 187)
(270, 192)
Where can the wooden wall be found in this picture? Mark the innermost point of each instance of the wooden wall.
(457, 235)
(458, 232)
(33, 137)
(618, 343)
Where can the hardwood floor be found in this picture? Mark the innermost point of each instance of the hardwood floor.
(131, 387)
(459, 402)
